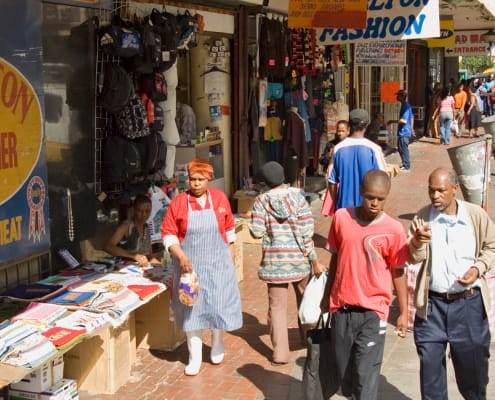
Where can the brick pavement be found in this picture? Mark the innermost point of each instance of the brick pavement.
(246, 373)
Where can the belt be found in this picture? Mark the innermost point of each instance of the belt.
(456, 295)
(349, 308)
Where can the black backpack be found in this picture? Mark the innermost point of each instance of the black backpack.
(150, 58)
(158, 123)
(189, 35)
(132, 121)
(117, 88)
(167, 25)
(121, 160)
(154, 85)
(153, 152)
(120, 38)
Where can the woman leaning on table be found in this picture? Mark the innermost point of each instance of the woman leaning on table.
(198, 231)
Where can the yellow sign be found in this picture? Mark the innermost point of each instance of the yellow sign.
(327, 14)
(20, 132)
(447, 37)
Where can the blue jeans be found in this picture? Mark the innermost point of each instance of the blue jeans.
(446, 118)
(403, 147)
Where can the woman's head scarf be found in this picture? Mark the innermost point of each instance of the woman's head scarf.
(200, 166)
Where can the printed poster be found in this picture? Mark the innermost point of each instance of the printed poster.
(24, 223)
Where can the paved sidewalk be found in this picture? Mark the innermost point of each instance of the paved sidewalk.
(246, 373)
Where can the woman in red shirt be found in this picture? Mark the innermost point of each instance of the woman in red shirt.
(198, 231)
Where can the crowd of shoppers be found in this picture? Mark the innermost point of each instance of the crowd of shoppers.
(452, 240)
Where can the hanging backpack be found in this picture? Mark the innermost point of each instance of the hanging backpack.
(167, 25)
(158, 123)
(154, 85)
(153, 153)
(131, 121)
(149, 108)
(121, 160)
(150, 58)
(120, 38)
(189, 36)
(117, 88)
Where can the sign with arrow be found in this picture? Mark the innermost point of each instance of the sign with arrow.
(468, 43)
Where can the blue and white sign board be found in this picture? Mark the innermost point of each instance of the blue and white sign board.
(390, 20)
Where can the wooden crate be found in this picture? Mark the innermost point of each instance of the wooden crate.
(239, 261)
(154, 330)
(102, 363)
(243, 235)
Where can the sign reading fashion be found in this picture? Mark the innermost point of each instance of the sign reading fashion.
(390, 20)
(23, 176)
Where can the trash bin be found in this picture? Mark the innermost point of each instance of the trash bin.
(488, 125)
(471, 162)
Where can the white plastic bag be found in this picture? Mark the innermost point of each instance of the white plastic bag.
(159, 205)
(309, 310)
(454, 128)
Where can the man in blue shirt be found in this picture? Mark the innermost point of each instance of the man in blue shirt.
(405, 129)
(352, 158)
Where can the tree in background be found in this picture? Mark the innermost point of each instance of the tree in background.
(475, 64)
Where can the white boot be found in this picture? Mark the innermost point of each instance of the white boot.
(217, 351)
(195, 347)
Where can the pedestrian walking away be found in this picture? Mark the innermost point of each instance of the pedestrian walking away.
(283, 219)
(352, 158)
(455, 243)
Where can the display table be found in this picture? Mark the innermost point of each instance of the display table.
(101, 363)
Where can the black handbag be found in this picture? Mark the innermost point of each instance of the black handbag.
(319, 363)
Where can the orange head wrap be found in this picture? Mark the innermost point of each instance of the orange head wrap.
(200, 166)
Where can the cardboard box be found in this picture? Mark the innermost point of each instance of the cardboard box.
(242, 202)
(36, 381)
(154, 330)
(393, 169)
(57, 369)
(243, 235)
(102, 363)
(23, 395)
(66, 389)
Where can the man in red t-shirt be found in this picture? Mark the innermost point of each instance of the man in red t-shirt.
(369, 250)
